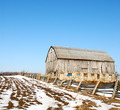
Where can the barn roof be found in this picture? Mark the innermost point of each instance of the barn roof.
(81, 54)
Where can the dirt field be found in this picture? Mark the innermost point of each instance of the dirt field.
(18, 92)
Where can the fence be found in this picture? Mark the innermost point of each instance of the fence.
(112, 89)
(8, 73)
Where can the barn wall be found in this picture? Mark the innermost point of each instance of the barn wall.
(71, 66)
(51, 61)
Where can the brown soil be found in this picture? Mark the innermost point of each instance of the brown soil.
(86, 105)
(10, 105)
(104, 99)
(24, 93)
(114, 109)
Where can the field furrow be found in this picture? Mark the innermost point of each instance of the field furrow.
(18, 92)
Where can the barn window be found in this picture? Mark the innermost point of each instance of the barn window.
(69, 74)
(84, 69)
(92, 74)
(85, 74)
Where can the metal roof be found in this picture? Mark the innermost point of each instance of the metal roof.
(81, 54)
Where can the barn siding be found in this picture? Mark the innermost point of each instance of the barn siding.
(84, 66)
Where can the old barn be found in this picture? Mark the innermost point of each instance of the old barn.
(80, 64)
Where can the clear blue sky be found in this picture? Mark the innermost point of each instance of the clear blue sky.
(29, 27)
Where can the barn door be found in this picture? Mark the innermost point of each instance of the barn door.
(55, 74)
(98, 76)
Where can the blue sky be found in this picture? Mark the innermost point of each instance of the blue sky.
(29, 27)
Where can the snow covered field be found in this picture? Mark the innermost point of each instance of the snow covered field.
(19, 92)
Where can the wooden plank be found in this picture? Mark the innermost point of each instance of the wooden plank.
(55, 80)
(69, 83)
(79, 85)
(96, 87)
(47, 79)
(39, 77)
(35, 76)
(44, 78)
(62, 82)
(115, 87)
(32, 75)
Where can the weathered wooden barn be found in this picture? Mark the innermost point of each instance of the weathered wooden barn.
(80, 64)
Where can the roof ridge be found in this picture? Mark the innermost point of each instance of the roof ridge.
(94, 50)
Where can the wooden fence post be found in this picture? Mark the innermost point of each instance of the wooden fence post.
(62, 82)
(96, 87)
(32, 75)
(55, 80)
(69, 83)
(48, 79)
(38, 77)
(115, 87)
(44, 78)
(79, 85)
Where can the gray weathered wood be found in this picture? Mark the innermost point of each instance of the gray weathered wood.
(79, 85)
(96, 87)
(55, 80)
(32, 76)
(115, 87)
(62, 82)
(44, 78)
(69, 83)
(39, 77)
(48, 79)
